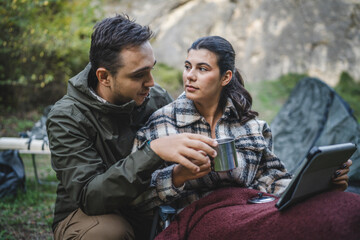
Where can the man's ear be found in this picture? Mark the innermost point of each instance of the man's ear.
(226, 78)
(103, 76)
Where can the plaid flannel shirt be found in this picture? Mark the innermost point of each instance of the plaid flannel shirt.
(258, 167)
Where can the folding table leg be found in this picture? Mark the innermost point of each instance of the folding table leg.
(35, 169)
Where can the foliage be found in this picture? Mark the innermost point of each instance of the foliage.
(270, 96)
(349, 90)
(43, 43)
(168, 78)
(11, 124)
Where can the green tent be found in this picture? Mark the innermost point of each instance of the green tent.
(315, 115)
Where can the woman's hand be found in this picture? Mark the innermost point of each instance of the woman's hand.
(340, 179)
(182, 174)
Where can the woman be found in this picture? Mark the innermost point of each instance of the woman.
(216, 104)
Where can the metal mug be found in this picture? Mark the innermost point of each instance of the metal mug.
(226, 158)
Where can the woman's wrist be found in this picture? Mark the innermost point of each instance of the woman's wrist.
(177, 179)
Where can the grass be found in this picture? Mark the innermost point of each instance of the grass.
(349, 90)
(12, 122)
(270, 96)
(29, 215)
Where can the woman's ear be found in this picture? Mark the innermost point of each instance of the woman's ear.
(103, 76)
(226, 78)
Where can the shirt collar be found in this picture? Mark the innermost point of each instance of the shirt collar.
(100, 99)
(186, 112)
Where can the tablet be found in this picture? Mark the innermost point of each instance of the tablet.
(315, 173)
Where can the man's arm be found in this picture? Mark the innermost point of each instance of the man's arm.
(187, 149)
(96, 188)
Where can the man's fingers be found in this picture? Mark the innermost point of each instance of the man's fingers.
(180, 148)
(202, 138)
(201, 146)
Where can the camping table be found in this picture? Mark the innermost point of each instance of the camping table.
(25, 146)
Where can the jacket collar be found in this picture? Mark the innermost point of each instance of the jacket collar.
(186, 112)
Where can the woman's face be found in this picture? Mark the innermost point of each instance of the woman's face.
(201, 77)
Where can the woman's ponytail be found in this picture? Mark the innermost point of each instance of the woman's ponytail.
(240, 96)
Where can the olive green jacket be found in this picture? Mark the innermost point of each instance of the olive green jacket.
(91, 142)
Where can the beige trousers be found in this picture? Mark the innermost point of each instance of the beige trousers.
(78, 225)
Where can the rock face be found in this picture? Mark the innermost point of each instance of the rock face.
(271, 37)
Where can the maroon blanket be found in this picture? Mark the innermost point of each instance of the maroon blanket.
(225, 214)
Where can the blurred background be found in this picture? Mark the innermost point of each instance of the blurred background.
(43, 43)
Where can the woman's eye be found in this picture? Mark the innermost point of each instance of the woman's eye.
(202, 69)
(187, 67)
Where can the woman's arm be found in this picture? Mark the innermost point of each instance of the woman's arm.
(167, 184)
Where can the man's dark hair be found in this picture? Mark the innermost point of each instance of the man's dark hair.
(112, 35)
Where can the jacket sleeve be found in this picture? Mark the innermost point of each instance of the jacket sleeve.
(161, 191)
(96, 188)
(271, 176)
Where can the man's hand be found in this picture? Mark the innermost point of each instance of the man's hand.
(180, 148)
(341, 179)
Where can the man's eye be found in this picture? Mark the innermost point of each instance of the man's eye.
(138, 76)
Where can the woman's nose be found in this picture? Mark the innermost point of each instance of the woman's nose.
(191, 75)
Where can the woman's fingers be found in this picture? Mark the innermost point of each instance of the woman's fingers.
(188, 164)
(340, 173)
(344, 169)
(340, 185)
(340, 179)
(347, 164)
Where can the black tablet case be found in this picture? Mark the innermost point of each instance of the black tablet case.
(314, 174)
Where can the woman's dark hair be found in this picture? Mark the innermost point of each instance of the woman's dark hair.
(110, 36)
(226, 61)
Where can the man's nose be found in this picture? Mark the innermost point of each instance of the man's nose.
(149, 81)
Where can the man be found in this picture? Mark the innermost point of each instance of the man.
(91, 131)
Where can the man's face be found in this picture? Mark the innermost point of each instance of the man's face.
(133, 80)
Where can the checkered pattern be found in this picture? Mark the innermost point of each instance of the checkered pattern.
(258, 167)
